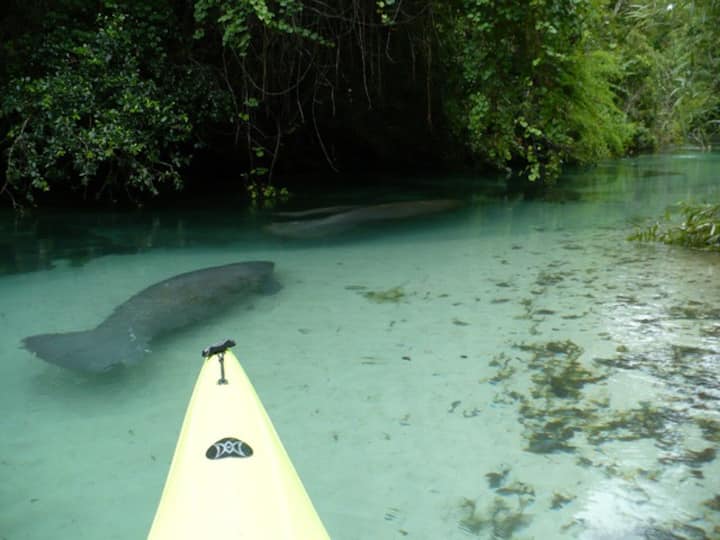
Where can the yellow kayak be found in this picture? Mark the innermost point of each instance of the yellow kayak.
(231, 477)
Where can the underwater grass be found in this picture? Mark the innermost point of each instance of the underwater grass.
(699, 228)
(394, 294)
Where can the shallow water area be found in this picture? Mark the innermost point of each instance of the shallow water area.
(516, 369)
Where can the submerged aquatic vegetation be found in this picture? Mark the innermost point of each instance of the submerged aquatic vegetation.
(549, 349)
(692, 457)
(711, 331)
(499, 519)
(675, 531)
(496, 479)
(472, 522)
(691, 368)
(560, 378)
(695, 311)
(549, 435)
(516, 488)
(699, 228)
(394, 294)
(563, 379)
(561, 375)
(713, 504)
(682, 353)
(506, 369)
(549, 430)
(560, 414)
(545, 279)
(644, 422)
(561, 499)
(710, 429)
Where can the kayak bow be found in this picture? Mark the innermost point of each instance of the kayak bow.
(230, 475)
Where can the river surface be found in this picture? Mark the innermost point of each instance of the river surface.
(513, 369)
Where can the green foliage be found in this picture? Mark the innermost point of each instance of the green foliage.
(671, 69)
(595, 125)
(114, 97)
(240, 21)
(699, 228)
(100, 106)
(386, 10)
(527, 89)
(265, 195)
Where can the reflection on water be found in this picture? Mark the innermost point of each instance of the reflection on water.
(513, 370)
(37, 241)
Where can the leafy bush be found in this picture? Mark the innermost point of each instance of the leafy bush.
(527, 89)
(100, 110)
(671, 69)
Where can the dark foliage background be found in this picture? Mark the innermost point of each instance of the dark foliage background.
(124, 101)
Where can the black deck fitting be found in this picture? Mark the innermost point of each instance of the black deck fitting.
(218, 348)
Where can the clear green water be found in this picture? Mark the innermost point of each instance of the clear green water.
(537, 377)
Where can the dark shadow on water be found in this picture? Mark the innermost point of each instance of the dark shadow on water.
(40, 238)
(39, 241)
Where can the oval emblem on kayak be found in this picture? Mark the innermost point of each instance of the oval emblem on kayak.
(229, 447)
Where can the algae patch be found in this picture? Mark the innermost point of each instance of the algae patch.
(499, 519)
(394, 294)
(710, 429)
(713, 504)
(561, 499)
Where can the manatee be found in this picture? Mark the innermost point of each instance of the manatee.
(316, 211)
(343, 221)
(170, 305)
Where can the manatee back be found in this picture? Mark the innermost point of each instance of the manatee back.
(191, 297)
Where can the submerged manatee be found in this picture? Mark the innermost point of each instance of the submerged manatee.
(353, 217)
(125, 336)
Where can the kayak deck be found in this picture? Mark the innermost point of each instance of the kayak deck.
(230, 475)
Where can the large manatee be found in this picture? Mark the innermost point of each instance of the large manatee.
(180, 301)
(352, 217)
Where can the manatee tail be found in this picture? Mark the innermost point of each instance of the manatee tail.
(91, 351)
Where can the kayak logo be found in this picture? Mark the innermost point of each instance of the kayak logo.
(229, 447)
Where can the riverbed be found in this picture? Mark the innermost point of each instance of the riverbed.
(510, 369)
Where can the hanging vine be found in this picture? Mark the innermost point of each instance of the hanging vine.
(293, 62)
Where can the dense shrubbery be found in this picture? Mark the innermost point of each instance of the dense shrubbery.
(529, 88)
(94, 114)
(112, 98)
(102, 108)
(670, 84)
